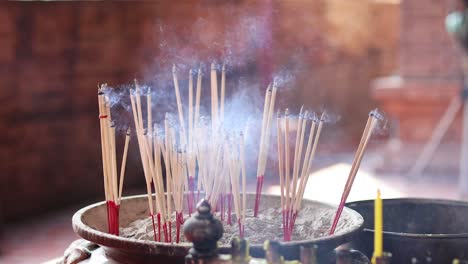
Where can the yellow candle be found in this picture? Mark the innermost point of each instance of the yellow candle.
(378, 226)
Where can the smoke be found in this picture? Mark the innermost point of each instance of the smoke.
(239, 47)
(236, 42)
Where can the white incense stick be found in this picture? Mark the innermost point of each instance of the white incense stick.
(244, 176)
(266, 107)
(198, 95)
(297, 158)
(124, 162)
(287, 160)
(190, 113)
(214, 97)
(279, 137)
(179, 102)
(223, 92)
(309, 160)
(150, 120)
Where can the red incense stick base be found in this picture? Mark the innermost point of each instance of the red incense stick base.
(258, 193)
(112, 217)
(166, 234)
(117, 219)
(337, 217)
(241, 228)
(159, 227)
(170, 231)
(229, 216)
(154, 227)
(293, 221)
(222, 206)
(179, 223)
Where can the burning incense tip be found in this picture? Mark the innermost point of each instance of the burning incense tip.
(323, 117)
(376, 113)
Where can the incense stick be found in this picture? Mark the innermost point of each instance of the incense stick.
(179, 103)
(261, 152)
(191, 156)
(124, 162)
(138, 120)
(310, 158)
(279, 137)
(223, 92)
(150, 120)
(244, 183)
(214, 97)
(291, 187)
(370, 125)
(198, 95)
(297, 154)
(287, 172)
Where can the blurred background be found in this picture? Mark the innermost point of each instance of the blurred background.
(347, 57)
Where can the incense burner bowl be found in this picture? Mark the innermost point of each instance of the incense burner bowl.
(417, 228)
(90, 223)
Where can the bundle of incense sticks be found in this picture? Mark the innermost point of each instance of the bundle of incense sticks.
(193, 152)
(187, 135)
(268, 109)
(237, 169)
(218, 189)
(371, 124)
(293, 186)
(181, 153)
(112, 188)
(149, 166)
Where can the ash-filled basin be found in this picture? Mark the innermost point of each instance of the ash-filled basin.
(91, 224)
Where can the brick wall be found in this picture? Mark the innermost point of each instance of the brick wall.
(427, 51)
(52, 56)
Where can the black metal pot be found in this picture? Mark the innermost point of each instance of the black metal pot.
(432, 231)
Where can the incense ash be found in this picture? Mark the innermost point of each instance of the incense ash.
(311, 223)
